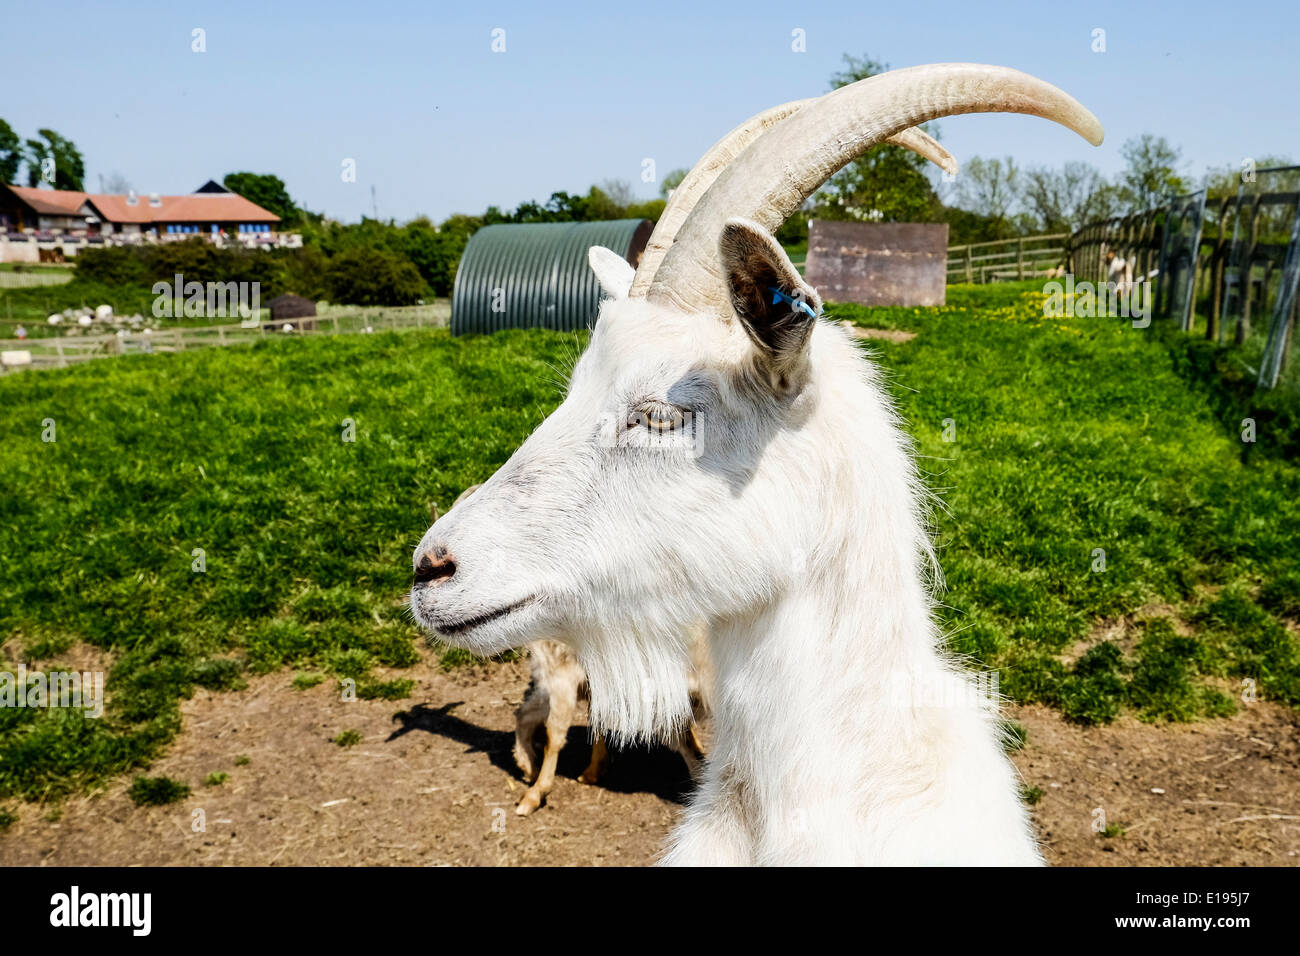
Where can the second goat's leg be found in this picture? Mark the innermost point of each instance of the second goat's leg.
(599, 761)
(688, 745)
(558, 722)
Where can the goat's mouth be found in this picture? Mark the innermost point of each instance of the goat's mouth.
(469, 623)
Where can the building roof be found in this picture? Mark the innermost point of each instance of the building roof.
(51, 202)
(196, 208)
(206, 207)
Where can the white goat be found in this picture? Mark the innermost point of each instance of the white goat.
(722, 455)
(558, 683)
(1119, 273)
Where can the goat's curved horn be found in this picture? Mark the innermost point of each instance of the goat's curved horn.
(775, 174)
(720, 156)
(923, 144)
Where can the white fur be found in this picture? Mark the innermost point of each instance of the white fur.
(796, 528)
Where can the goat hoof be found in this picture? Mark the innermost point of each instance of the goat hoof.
(528, 803)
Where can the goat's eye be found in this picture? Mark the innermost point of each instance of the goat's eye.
(656, 416)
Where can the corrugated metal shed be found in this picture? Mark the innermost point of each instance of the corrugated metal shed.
(535, 275)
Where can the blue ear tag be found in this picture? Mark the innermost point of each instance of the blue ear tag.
(778, 296)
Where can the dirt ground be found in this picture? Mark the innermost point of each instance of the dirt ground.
(432, 782)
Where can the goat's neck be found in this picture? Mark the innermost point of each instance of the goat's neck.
(842, 734)
(835, 653)
(815, 687)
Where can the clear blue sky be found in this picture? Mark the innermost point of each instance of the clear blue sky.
(438, 123)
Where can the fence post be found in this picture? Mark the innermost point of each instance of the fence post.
(1020, 258)
(970, 271)
(1218, 271)
(1248, 276)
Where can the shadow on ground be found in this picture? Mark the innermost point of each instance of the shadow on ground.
(658, 771)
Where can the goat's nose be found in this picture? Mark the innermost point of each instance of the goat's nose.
(434, 566)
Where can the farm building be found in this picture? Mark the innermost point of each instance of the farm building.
(290, 306)
(535, 275)
(60, 211)
(299, 310)
(44, 210)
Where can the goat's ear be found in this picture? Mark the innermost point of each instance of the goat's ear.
(757, 269)
(613, 272)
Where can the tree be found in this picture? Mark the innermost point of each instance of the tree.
(116, 184)
(885, 185)
(988, 187)
(619, 192)
(1064, 200)
(651, 209)
(69, 166)
(435, 251)
(11, 153)
(608, 200)
(267, 191)
(613, 199)
(1226, 180)
(888, 183)
(373, 277)
(965, 226)
(671, 182)
(34, 155)
(1151, 174)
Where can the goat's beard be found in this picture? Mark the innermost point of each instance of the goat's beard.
(640, 690)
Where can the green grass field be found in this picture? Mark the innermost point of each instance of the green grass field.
(1070, 436)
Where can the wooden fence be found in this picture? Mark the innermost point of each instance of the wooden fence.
(1227, 268)
(64, 350)
(1002, 260)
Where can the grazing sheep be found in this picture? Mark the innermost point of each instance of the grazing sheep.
(724, 455)
(551, 703)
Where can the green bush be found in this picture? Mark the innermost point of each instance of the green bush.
(113, 265)
(373, 277)
(301, 271)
